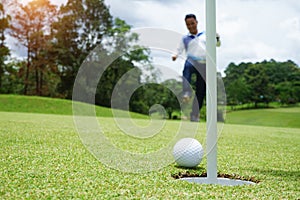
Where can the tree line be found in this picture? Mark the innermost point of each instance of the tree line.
(262, 82)
(57, 40)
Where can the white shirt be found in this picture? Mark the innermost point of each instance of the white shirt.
(194, 47)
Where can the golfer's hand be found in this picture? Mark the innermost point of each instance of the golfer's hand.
(174, 58)
(218, 40)
(217, 37)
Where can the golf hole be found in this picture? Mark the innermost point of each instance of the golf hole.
(222, 179)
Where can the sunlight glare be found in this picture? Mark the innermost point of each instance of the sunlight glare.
(56, 2)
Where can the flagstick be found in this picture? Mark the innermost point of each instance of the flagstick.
(211, 91)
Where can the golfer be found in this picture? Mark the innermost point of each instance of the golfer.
(194, 45)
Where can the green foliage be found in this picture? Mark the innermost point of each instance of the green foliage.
(268, 81)
(4, 50)
(58, 40)
(12, 81)
(111, 39)
(147, 98)
(258, 82)
(288, 92)
(114, 78)
(31, 27)
(237, 91)
(80, 27)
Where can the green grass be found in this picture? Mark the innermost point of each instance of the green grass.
(42, 157)
(275, 117)
(35, 104)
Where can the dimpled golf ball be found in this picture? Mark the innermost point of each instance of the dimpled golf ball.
(188, 152)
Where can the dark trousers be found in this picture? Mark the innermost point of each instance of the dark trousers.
(199, 69)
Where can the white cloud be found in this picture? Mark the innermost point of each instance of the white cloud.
(151, 13)
(292, 27)
(251, 30)
(263, 28)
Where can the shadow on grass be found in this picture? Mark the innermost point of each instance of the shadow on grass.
(284, 174)
(190, 168)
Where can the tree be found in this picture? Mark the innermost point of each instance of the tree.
(85, 28)
(279, 71)
(4, 50)
(151, 94)
(172, 89)
(81, 26)
(114, 78)
(285, 92)
(234, 71)
(66, 50)
(258, 82)
(125, 72)
(264, 81)
(237, 89)
(12, 82)
(31, 27)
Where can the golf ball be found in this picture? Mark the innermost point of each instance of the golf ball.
(188, 152)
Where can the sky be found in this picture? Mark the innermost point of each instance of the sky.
(250, 30)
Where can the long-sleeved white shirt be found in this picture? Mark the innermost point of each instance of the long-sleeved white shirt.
(194, 47)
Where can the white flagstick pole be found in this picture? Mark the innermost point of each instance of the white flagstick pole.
(211, 91)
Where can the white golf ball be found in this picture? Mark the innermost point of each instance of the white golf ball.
(188, 152)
